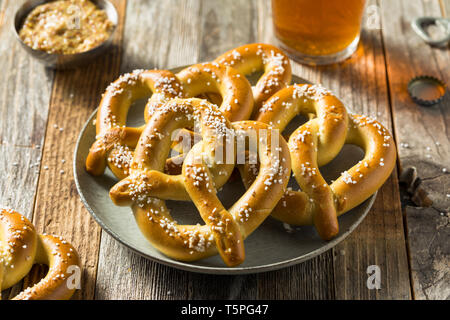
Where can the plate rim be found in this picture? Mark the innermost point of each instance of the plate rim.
(206, 269)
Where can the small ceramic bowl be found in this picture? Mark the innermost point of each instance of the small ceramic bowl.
(65, 61)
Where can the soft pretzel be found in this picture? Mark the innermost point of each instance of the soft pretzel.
(114, 141)
(256, 57)
(236, 92)
(21, 247)
(207, 78)
(154, 146)
(309, 100)
(147, 186)
(316, 143)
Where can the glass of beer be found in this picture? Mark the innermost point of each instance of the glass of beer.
(318, 31)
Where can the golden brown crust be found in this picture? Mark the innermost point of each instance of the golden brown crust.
(255, 57)
(115, 142)
(236, 92)
(21, 247)
(214, 78)
(61, 257)
(369, 174)
(18, 245)
(316, 143)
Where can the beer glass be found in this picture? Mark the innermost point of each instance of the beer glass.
(318, 31)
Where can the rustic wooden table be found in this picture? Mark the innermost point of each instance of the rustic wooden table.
(42, 112)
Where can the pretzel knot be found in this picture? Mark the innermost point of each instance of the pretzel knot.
(257, 57)
(206, 168)
(21, 247)
(235, 94)
(114, 141)
(316, 143)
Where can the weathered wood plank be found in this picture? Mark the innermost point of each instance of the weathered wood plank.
(429, 234)
(424, 135)
(58, 209)
(24, 97)
(379, 241)
(19, 174)
(380, 238)
(26, 88)
(312, 279)
(122, 274)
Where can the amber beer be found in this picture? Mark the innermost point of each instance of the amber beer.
(318, 31)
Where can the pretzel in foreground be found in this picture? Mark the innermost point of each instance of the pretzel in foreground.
(316, 143)
(224, 231)
(255, 57)
(115, 142)
(21, 247)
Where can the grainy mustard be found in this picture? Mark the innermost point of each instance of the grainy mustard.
(66, 27)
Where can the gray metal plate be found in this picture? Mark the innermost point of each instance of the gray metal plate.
(272, 246)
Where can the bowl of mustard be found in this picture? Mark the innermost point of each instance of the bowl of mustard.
(65, 34)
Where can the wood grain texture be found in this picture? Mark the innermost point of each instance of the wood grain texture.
(24, 97)
(429, 234)
(424, 135)
(58, 208)
(379, 240)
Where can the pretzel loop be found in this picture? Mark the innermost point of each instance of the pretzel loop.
(237, 100)
(354, 185)
(153, 148)
(21, 247)
(213, 78)
(256, 57)
(114, 141)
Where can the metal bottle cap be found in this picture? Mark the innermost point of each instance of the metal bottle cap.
(426, 90)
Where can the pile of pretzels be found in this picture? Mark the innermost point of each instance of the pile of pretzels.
(209, 103)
